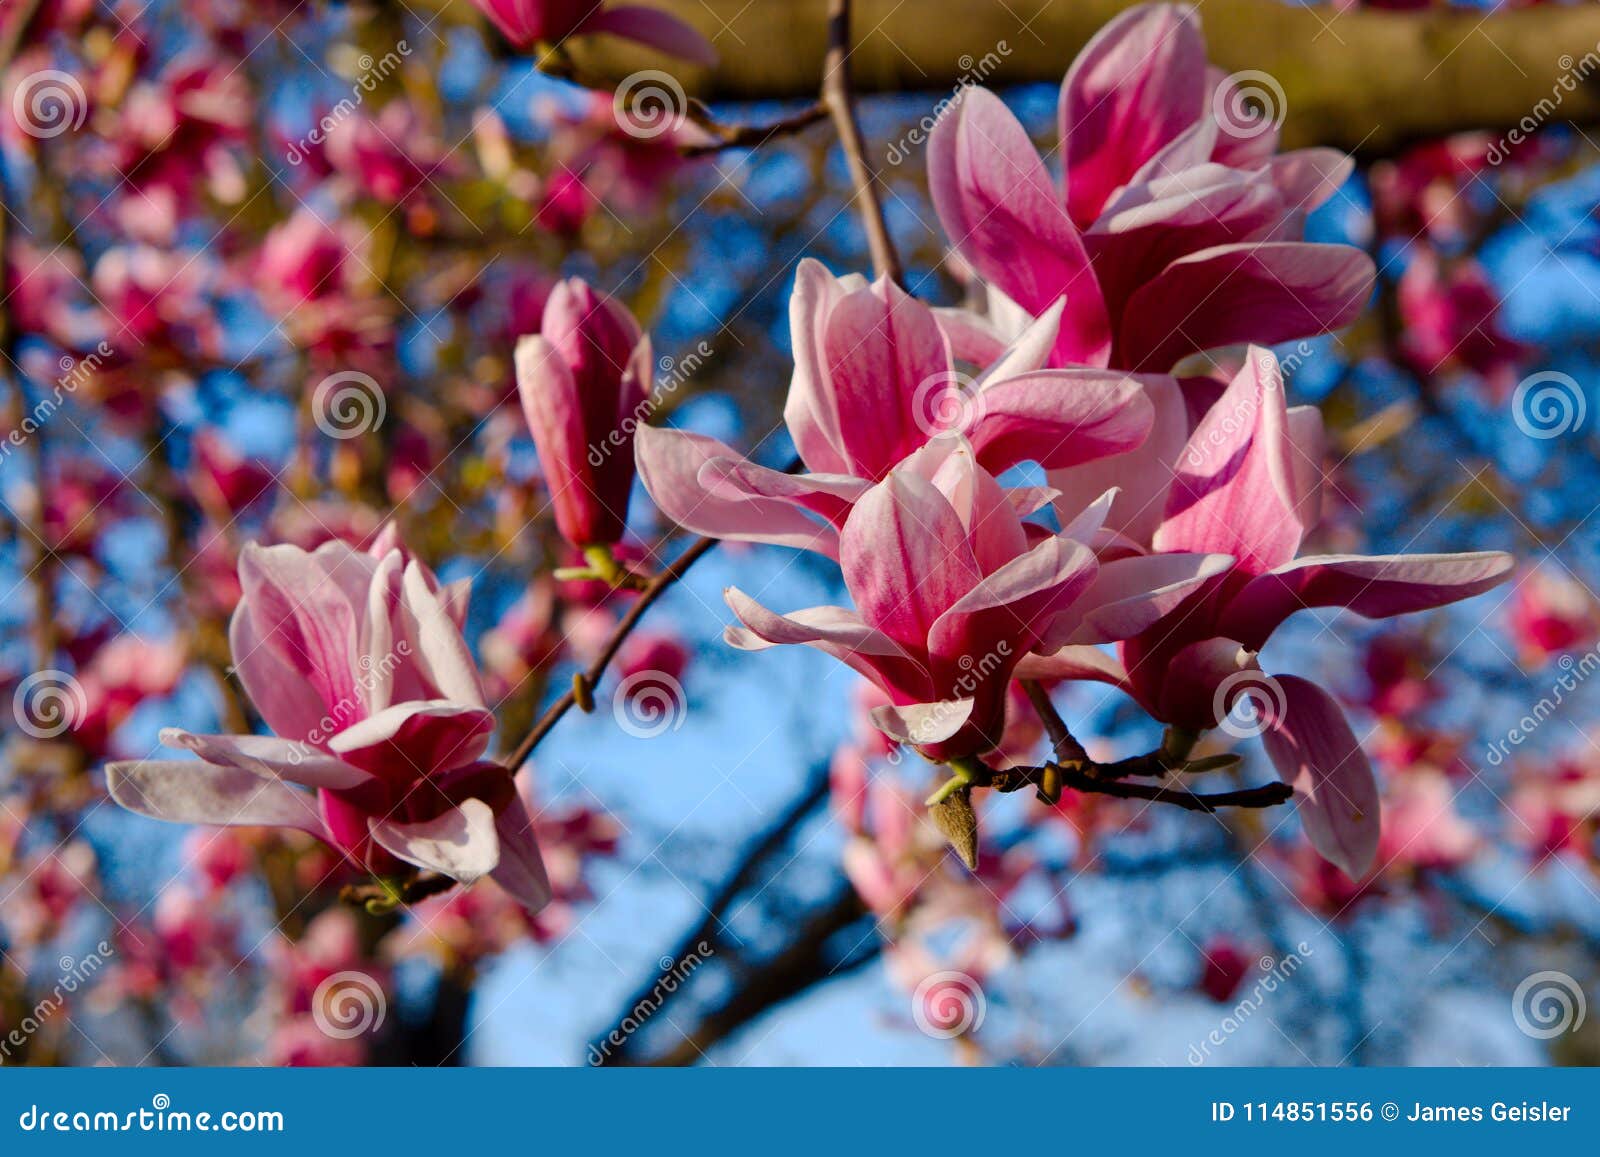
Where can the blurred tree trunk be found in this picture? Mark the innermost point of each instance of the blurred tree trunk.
(1365, 80)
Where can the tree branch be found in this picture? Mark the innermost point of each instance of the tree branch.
(839, 99)
(1365, 80)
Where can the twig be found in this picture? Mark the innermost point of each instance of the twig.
(410, 891)
(1267, 795)
(590, 678)
(753, 136)
(1067, 749)
(839, 99)
(1108, 779)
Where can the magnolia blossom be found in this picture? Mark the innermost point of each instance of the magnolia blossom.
(584, 380)
(355, 660)
(875, 378)
(1176, 228)
(528, 22)
(1246, 483)
(951, 590)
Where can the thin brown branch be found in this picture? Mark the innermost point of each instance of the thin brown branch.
(590, 678)
(1067, 749)
(756, 135)
(838, 95)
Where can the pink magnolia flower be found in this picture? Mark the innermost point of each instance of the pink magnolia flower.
(1176, 229)
(390, 156)
(951, 590)
(1225, 964)
(1452, 320)
(1551, 613)
(528, 22)
(355, 660)
(225, 481)
(875, 378)
(585, 379)
(620, 153)
(302, 259)
(155, 298)
(1246, 483)
(1422, 828)
(123, 674)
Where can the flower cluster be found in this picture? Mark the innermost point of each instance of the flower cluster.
(1183, 502)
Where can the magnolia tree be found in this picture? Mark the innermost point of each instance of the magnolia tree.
(379, 375)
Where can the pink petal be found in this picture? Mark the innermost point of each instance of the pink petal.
(521, 869)
(1234, 492)
(1075, 662)
(660, 30)
(1058, 418)
(906, 558)
(186, 791)
(920, 724)
(1308, 177)
(302, 613)
(279, 692)
(1001, 212)
(809, 411)
(1376, 587)
(1138, 84)
(270, 758)
(1154, 225)
(1264, 292)
(411, 740)
(1197, 686)
(826, 495)
(833, 631)
(669, 466)
(1140, 476)
(1131, 595)
(460, 842)
(440, 650)
(1315, 751)
(888, 362)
